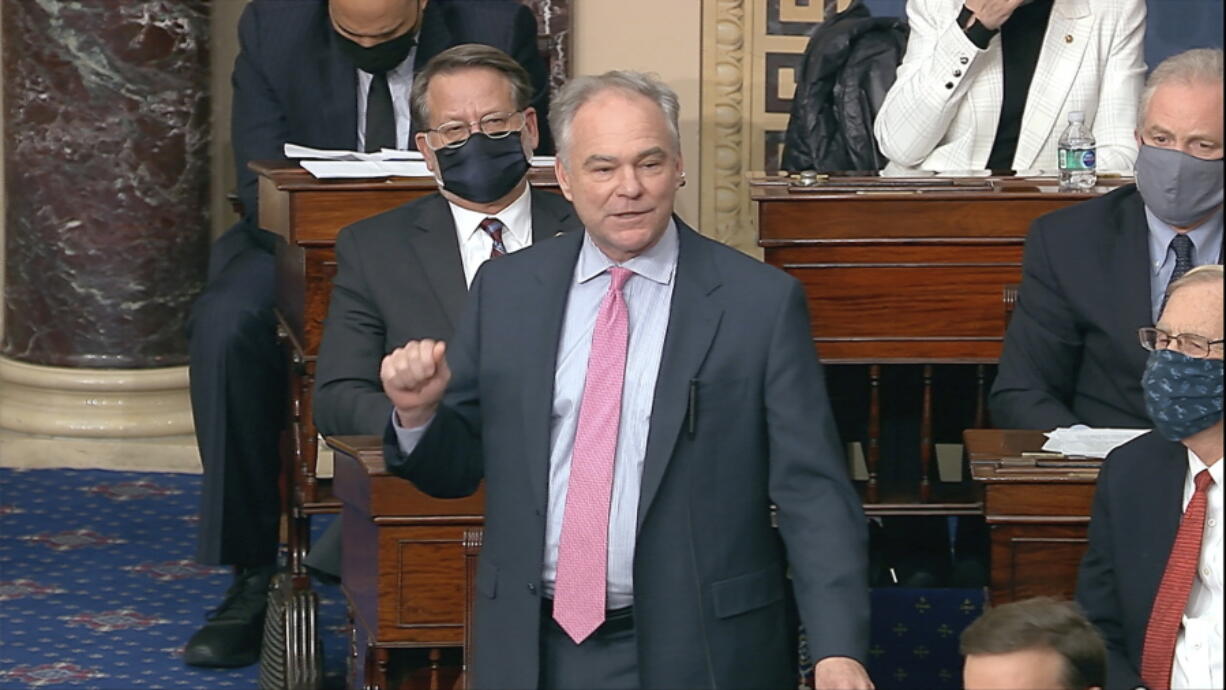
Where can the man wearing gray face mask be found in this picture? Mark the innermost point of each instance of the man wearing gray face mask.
(1151, 579)
(1095, 272)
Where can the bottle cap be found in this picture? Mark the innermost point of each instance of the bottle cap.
(1076, 116)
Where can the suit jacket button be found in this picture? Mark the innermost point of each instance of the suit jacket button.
(949, 85)
(532, 588)
(957, 73)
(963, 60)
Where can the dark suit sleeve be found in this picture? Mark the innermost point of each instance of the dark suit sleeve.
(258, 126)
(448, 460)
(820, 517)
(349, 396)
(1097, 593)
(1042, 349)
(524, 50)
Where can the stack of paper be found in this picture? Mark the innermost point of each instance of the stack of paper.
(1087, 442)
(333, 164)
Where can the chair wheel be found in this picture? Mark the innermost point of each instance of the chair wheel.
(291, 656)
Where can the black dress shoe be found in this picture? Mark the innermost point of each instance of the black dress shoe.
(231, 637)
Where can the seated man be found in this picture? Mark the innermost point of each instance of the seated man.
(1034, 644)
(404, 274)
(1095, 272)
(1151, 579)
(990, 83)
(332, 74)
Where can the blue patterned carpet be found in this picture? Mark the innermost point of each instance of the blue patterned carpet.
(98, 588)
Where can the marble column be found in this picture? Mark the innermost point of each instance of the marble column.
(106, 186)
(106, 123)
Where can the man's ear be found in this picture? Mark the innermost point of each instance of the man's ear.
(426, 154)
(532, 132)
(559, 171)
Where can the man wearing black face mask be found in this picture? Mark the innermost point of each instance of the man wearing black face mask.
(403, 275)
(1151, 579)
(332, 74)
(1095, 272)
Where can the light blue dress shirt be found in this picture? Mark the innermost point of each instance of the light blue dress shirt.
(1206, 249)
(648, 295)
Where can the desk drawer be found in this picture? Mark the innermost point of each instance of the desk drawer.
(1034, 502)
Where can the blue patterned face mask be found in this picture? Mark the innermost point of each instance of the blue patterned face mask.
(1183, 395)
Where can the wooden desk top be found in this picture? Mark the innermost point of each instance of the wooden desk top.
(996, 455)
(767, 187)
(289, 176)
(361, 479)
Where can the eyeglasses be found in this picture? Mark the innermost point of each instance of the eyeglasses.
(453, 135)
(1190, 344)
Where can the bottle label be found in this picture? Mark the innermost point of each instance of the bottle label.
(1077, 159)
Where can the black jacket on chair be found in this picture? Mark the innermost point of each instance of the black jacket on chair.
(847, 70)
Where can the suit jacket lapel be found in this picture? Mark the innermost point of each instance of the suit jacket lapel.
(434, 240)
(1129, 273)
(1164, 493)
(548, 294)
(692, 323)
(548, 221)
(339, 105)
(1058, 66)
(433, 38)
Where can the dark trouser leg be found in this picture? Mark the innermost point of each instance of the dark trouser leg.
(238, 394)
(602, 662)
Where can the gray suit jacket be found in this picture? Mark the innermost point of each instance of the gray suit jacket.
(399, 278)
(710, 573)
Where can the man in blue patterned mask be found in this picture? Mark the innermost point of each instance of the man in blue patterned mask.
(1152, 576)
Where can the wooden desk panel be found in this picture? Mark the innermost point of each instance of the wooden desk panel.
(1038, 517)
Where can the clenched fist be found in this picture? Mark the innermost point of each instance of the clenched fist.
(993, 13)
(414, 378)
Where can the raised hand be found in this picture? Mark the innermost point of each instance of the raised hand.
(993, 13)
(414, 378)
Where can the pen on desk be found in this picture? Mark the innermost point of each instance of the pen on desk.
(691, 413)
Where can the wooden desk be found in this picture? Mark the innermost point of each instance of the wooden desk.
(1038, 515)
(907, 276)
(405, 570)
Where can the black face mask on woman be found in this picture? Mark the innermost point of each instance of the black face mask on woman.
(483, 169)
(381, 57)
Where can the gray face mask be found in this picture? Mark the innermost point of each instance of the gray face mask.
(1178, 188)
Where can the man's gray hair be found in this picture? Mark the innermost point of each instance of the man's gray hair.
(578, 91)
(1209, 273)
(1191, 67)
(468, 56)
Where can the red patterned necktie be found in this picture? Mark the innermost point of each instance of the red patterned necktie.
(579, 591)
(1158, 654)
(494, 227)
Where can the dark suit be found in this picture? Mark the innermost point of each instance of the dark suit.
(399, 278)
(1137, 508)
(1071, 353)
(291, 84)
(710, 573)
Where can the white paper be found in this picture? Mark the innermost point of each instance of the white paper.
(365, 169)
(1091, 443)
(305, 152)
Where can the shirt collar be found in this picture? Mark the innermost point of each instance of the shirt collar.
(516, 217)
(1204, 237)
(658, 263)
(1195, 465)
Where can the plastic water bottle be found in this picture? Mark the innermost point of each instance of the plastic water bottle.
(1077, 154)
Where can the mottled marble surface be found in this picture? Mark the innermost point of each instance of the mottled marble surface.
(553, 20)
(106, 123)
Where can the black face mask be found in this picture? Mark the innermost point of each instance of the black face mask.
(483, 169)
(381, 57)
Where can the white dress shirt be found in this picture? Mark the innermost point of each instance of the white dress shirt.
(475, 243)
(400, 83)
(1198, 649)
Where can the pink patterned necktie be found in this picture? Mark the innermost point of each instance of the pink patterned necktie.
(579, 592)
(1166, 616)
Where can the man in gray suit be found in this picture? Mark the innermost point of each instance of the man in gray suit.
(404, 274)
(635, 398)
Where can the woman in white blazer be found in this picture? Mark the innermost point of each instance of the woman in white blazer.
(942, 111)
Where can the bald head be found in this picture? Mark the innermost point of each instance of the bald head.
(370, 22)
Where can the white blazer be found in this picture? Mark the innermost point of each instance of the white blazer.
(942, 111)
